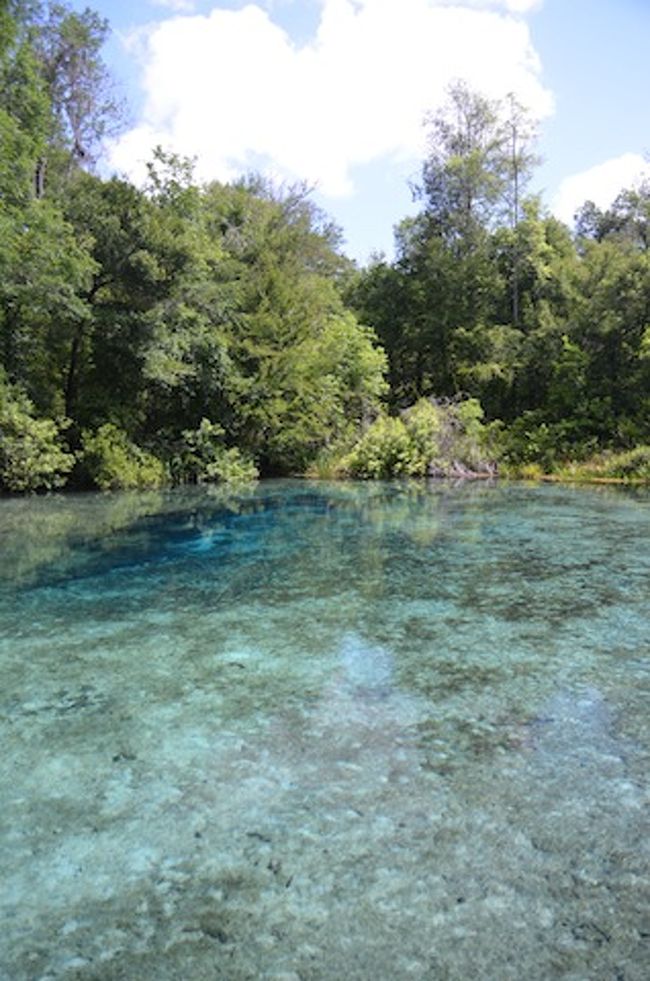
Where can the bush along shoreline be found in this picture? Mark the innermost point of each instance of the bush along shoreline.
(433, 439)
(188, 331)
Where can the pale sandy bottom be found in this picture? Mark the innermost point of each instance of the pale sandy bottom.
(326, 731)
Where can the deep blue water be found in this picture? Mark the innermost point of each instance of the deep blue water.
(312, 730)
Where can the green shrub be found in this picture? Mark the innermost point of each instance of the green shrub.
(203, 458)
(464, 443)
(31, 455)
(429, 439)
(531, 439)
(113, 462)
(424, 424)
(629, 465)
(470, 415)
(383, 451)
(633, 464)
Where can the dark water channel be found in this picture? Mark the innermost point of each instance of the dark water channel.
(326, 731)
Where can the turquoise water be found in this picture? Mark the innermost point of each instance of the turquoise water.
(337, 731)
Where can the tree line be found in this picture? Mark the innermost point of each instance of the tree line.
(186, 331)
(492, 296)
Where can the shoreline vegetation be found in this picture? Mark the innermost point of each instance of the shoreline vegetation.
(186, 332)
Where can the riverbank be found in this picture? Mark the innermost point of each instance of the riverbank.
(609, 467)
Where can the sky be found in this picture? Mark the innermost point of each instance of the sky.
(335, 92)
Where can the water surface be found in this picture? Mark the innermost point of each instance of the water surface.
(326, 731)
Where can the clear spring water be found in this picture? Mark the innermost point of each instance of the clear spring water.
(314, 731)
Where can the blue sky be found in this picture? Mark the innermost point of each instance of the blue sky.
(334, 91)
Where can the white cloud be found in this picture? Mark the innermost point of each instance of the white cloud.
(176, 6)
(512, 6)
(600, 184)
(234, 90)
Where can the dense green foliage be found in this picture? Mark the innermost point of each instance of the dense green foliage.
(203, 458)
(211, 332)
(186, 332)
(113, 462)
(32, 455)
(428, 440)
(491, 297)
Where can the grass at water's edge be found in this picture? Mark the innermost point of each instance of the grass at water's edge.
(609, 467)
(558, 478)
